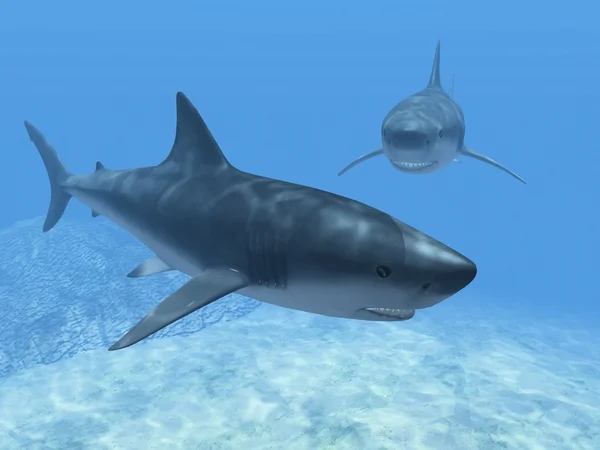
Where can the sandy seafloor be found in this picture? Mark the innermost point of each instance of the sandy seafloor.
(452, 378)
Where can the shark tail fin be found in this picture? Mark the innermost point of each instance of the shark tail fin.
(56, 173)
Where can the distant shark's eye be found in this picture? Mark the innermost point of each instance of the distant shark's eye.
(441, 134)
(383, 271)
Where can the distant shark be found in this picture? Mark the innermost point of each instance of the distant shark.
(277, 242)
(426, 131)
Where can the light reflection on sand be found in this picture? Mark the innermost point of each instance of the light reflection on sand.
(282, 379)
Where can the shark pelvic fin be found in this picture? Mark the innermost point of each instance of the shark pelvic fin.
(59, 198)
(363, 158)
(434, 77)
(151, 266)
(473, 154)
(95, 214)
(200, 291)
(194, 147)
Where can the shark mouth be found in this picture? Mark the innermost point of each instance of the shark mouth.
(399, 314)
(412, 166)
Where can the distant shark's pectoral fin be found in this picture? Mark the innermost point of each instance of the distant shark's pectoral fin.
(370, 155)
(151, 266)
(200, 291)
(473, 154)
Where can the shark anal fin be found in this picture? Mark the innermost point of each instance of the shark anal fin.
(363, 158)
(95, 214)
(473, 154)
(198, 292)
(151, 266)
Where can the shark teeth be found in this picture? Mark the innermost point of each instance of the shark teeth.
(403, 314)
(413, 165)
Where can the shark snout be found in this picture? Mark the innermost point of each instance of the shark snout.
(448, 273)
(409, 149)
(409, 139)
(441, 270)
(454, 276)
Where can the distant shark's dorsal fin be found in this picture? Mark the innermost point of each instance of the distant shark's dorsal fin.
(434, 78)
(194, 147)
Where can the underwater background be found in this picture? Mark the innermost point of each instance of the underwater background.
(294, 91)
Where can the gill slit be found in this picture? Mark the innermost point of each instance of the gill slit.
(266, 258)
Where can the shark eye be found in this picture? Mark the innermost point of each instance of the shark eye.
(383, 271)
(441, 134)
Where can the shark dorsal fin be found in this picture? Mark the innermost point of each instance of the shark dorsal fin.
(194, 145)
(434, 78)
(99, 166)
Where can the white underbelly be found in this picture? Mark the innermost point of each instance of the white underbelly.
(175, 258)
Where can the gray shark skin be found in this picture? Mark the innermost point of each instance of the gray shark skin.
(426, 131)
(277, 242)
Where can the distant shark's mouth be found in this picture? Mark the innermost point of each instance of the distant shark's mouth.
(399, 314)
(412, 166)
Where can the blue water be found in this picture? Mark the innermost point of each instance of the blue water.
(295, 91)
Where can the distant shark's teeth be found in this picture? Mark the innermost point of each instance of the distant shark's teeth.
(414, 166)
(393, 312)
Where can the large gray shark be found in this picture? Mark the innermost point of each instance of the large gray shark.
(277, 242)
(426, 131)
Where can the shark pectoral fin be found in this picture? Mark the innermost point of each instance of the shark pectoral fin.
(473, 154)
(198, 292)
(151, 266)
(370, 155)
